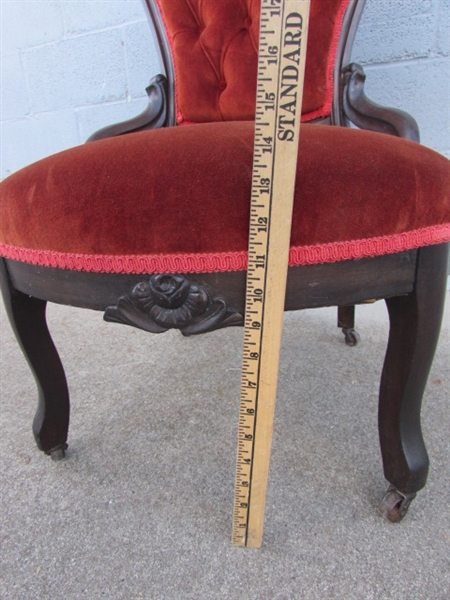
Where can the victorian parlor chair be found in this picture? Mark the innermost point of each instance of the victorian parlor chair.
(151, 227)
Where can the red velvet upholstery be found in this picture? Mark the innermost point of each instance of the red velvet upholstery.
(177, 200)
(215, 45)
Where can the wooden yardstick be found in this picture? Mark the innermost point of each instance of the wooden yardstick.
(281, 68)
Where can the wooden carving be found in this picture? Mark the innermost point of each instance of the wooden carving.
(166, 302)
(367, 115)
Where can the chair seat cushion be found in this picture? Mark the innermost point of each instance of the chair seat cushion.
(178, 200)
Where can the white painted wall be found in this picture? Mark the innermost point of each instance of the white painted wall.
(69, 67)
(404, 46)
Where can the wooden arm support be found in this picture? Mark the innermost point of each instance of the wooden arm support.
(367, 115)
(153, 117)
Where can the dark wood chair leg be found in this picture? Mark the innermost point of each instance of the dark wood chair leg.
(415, 322)
(346, 321)
(27, 317)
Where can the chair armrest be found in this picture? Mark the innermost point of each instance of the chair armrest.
(153, 117)
(367, 115)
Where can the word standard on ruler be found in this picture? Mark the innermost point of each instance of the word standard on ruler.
(281, 68)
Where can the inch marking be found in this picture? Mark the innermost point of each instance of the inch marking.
(281, 61)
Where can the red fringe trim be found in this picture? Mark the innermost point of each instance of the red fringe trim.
(323, 111)
(179, 116)
(227, 261)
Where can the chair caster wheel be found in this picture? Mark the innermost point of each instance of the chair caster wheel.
(394, 504)
(58, 453)
(352, 337)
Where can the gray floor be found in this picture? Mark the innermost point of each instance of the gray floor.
(142, 506)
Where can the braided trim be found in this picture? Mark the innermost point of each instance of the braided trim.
(227, 261)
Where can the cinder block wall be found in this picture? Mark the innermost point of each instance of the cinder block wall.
(404, 46)
(70, 67)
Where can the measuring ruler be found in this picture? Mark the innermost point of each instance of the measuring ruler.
(281, 68)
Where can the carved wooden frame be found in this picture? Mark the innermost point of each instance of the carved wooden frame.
(350, 105)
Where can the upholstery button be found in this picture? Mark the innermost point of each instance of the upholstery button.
(222, 85)
(248, 22)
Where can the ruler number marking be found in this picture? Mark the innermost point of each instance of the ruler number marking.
(277, 121)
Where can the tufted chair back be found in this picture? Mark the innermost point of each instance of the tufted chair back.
(214, 46)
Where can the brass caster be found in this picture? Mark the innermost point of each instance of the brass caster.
(394, 504)
(58, 453)
(352, 337)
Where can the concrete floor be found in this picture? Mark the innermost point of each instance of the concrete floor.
(142, 506)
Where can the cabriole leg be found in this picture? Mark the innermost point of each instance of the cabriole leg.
(346, 321)
(27, 318)
(415, 322)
